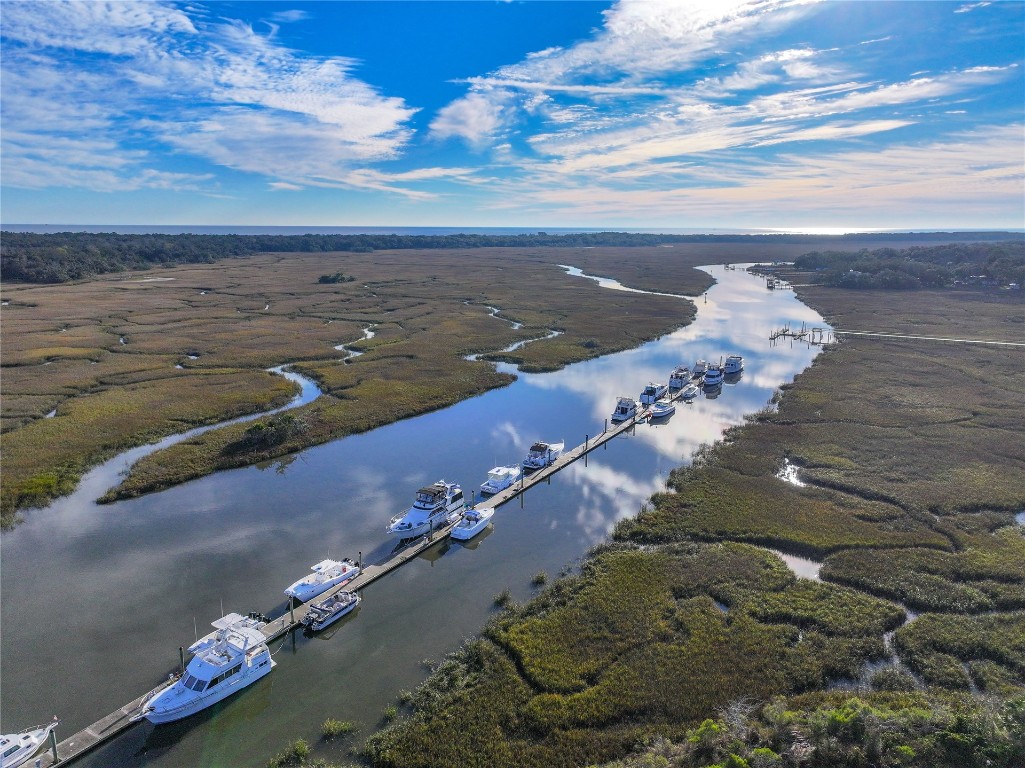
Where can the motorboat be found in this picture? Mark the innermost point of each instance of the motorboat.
(661, 410)
(430, 510)
(690, 392)
(713, 376)
(474, 521)
(330, 610)
(224, 662)
(326, 574)
(699, 369)
(626, 408)
(734, 365)
(542, 454)
(17, 748)
(500, 478)
(679, 378)
(653, 392)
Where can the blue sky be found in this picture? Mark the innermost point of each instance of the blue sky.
(774, 114)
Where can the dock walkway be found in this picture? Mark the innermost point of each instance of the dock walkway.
(119, 720)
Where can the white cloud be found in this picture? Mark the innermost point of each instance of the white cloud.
(286, 17)
(214, 89)
(476, 117)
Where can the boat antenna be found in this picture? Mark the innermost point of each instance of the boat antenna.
(222, 607)
(195, 627)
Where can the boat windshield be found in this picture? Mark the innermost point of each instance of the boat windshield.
(194, 683)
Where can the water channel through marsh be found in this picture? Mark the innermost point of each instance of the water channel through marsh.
(97, 599)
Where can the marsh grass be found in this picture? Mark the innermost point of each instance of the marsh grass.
(428, 309)
(634, 645)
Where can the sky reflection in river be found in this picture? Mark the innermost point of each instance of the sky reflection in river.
(96, 600)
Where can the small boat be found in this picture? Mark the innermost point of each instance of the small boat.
(542, 454)
(690, 392)
(734, 365)
(329, 611)
(653, 392)
(699, 369)
(17, 748)
(713, 376)
(500, 478)
(326, 574)
(626, 408)
(679, 378)
(430, 510)
(770, 283)
(662, 409)
(223, 662)
(474, 521)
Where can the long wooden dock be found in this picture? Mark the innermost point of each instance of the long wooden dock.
(119, 720)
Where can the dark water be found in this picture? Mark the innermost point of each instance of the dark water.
(97, 599)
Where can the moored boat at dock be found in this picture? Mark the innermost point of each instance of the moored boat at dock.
(224, 662)
(699, 368)
(474, 521)
(542, 454)
(733, 366)
(653, 392)
(679, 378)
(326, 574)
(326, 612)
(430, 510)
(661, 410)
(18, 748)
(626, 408)
(690, 392)
(500, 478)
(713, 376)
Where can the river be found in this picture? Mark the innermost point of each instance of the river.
(97, 599)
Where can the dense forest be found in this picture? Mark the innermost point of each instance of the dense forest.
(939, 266)
(63, 256)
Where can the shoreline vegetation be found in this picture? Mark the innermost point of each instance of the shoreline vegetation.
(681, 642)
(64, 256)
(115, 345)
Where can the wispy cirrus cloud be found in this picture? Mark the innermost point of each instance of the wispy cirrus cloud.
(212, 89)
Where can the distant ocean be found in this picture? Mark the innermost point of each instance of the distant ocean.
(159, 229)
(156, 229)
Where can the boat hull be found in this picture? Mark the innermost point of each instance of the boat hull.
(327, 621)
(466, 532)
(195, 704)
(304, 592)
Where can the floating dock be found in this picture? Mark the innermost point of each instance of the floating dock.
(120, 720)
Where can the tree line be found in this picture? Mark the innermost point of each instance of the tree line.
(62, 256)
(939, 266)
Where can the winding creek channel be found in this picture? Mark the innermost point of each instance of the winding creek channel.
(97, 599)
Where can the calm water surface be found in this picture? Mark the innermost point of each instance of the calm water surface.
(97, 599)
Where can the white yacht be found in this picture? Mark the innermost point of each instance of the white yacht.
(330, 610)
(500, 478)
(713, 376)
(734, 365)
(679, 378)
(699, 369)
(326, 574)
(542, 454)
(690, 392)
(17, 748)
(626, 408)
(224, 662)
(433, 505)
(474, 521)
(653, 392)
(661, 410)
